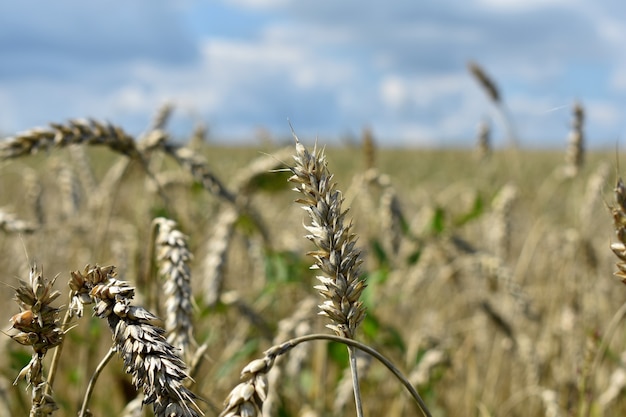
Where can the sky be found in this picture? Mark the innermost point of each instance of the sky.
(249, 68)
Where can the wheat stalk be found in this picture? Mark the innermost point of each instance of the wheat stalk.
(483, 143)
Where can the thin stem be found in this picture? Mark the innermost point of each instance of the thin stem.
(608, 336)
(92, 381)
(290, 344)
(57, 352)
(149, 270)
(355, 381)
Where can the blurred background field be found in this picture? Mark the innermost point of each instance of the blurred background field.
(490, 280)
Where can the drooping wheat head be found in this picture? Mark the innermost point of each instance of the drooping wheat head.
(153, 363)
(89, 132)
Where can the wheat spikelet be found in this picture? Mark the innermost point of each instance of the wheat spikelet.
(38, 326)
(147, 355)
(173, 257)
(89, 132)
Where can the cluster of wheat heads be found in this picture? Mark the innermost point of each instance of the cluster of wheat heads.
(166, 329)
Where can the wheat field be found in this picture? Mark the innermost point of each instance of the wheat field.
(163, 269)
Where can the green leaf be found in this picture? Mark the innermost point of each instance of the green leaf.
(478, 207)
(270, 182)
(379, 252)
(338, 354)
(438, 222)
(414, 257)
(284, 266)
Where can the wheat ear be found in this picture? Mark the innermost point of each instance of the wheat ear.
(75, 131)
(148, 357)
(38, 326)
(336, 257)
(173, 257)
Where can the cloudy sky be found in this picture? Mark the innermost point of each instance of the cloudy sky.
(330, 67)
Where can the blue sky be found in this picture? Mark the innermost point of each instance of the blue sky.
(330, 67)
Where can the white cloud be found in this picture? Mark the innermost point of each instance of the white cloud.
(398, 66)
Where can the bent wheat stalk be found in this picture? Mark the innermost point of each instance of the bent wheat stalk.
(247, 398)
